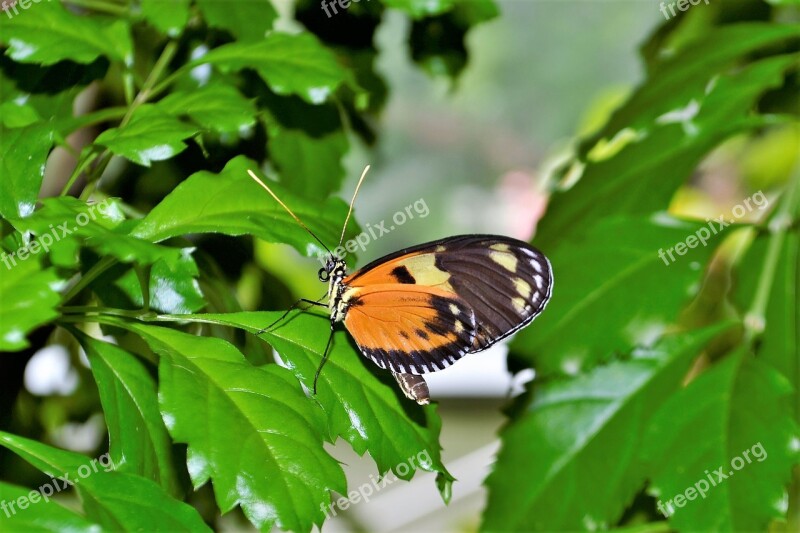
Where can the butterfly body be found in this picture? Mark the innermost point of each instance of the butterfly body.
(421, 309)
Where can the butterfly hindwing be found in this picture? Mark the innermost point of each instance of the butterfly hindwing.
(499, 283)
(409, 329)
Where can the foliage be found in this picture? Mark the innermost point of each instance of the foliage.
(644, 381)
(629, 410)
(192, 95)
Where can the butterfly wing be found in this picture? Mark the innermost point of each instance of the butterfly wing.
(499, 284)
(409, 328)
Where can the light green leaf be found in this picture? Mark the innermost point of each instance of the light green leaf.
(65, 219)
(585, 432)
(247, 21)
(25, 152)
(115, 500)
(37, 517)
(217, 107)
(357, 403)
(309, 166)
(168, 16)
(730, 428)
(151, 135)
(421, 8)
(48, 33)
(250, 430)
(233, 204)
(138, 440)
(617, 176)
(289, 64)
(28, 297)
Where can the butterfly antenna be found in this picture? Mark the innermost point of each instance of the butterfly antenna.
(297, 219)
(352, 203)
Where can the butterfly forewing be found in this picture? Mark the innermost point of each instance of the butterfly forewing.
(420, 309)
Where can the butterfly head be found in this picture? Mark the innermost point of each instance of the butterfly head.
(334, 268)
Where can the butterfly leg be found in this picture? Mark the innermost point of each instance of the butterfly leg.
(292, 308)
(324, 359)
(414, 387)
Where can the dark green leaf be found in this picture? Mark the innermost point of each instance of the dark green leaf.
(289, 64)
(115, 500)
(25, 152)
(615, 287)
(28, 297)
(151, 135)
(247, 21)
(730, 426)
(216, 107)
(138, 441)
(553, 448)
(49, 33)
(250, 430)
(233, 204)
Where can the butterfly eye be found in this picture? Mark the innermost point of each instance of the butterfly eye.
(323, 274)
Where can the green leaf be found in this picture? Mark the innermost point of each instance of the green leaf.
(138, 440)
(174, 287)
(168, 16)
(216, 107)
(600, 310)
(251, 430)
(615, 176)
(687, 75)
(359, 405)
(738, 407)
(309, 166)
(289, 64)
(115, 500)
(778, 344)
(552, 449)
(247, 21)
(37, 517)
(28, 297)
(48, 33)
(96, 226)
(233, 204)
(25, 152)
(421, 8)
(151, 135)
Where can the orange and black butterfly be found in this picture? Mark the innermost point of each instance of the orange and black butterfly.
(422, 308)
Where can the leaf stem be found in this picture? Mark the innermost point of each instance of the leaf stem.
(144, 94)
(779, 225)
(92, 274)
(100, 7)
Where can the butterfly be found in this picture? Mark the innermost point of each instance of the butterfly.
(420, 309)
